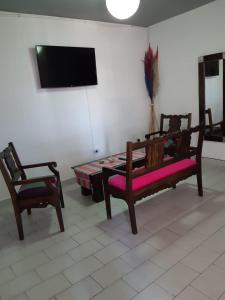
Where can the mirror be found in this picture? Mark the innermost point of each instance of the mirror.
(211, 96)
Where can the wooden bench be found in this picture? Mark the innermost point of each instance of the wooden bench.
(157, 174)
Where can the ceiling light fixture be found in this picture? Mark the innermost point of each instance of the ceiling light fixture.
(122, 9)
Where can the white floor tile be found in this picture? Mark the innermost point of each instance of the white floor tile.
(176, 279)
(200, 258)
(111, 272)
(18, 285)
(55, 266)
(190, 241)
(216, 242)
(87, 235)
(139, 255)
(83, 290)
(133, 240)
(191, 294)
(60, 248)
(169, 256)
(187, 222)
(211, 282)
(111, 252)
(153, 292)
(9, 259)
(48, 288)
(220, 262)
(85, 250)
(119, 291)
(6, 275)
(30, 263)
(162, 239)
(105, 239)
(143, 276)
(82, 269)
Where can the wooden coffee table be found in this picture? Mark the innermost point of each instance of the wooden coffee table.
(89, 175)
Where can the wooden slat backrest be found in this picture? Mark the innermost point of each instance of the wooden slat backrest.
(175, 122)
(16, 159)
(7, 176)
(13, 169)
(154, 153)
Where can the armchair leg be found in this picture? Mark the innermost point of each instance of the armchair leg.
(61, 196)
(19, 226)
(108, 205)
(59, 216)
(132, 218)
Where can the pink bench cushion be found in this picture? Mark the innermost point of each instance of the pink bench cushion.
(119, 181)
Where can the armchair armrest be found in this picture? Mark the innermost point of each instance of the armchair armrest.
(148, 135)
(46, 179)
(46, 164)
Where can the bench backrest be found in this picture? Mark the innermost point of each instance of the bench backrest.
(154, 152)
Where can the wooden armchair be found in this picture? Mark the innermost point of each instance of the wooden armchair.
(132, 185)
(175, 125)
(51, 165)
(32, 193)
(175, 122)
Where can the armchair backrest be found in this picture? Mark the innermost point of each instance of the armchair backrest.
(175, 122)
(9, 171)
(16, 159)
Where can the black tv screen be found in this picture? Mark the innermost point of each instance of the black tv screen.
(211, 68)
(66, 66)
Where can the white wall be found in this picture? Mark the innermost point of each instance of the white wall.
(55, 124)
(181, 41)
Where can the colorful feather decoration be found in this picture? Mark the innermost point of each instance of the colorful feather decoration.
(152, 82)
(151, 72)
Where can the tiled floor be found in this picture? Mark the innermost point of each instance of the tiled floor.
(179, 252)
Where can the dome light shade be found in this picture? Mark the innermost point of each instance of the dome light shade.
(122, 9)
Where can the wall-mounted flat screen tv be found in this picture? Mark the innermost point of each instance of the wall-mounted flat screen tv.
(66, 66)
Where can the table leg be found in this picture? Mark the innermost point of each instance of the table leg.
(97, 188)
(85, 191)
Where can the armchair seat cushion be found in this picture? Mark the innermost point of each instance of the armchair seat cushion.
(33, 190)
(119, 181)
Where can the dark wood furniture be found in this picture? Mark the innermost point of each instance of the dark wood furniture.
(91, 172)
(213, 131)
(202, 61)
(51, 165)
(175, 122)
(132, 185)
(32, 193)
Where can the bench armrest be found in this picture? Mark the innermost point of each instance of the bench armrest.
(107, 172)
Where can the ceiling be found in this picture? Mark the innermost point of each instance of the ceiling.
(149, 12)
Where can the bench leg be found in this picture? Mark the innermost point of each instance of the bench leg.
(59, 216)
(132, 218)
(199, 181)
(108, 205)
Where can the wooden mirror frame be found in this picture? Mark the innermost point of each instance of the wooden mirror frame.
(201, 82)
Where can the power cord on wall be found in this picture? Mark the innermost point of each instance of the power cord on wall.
(90, 123)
